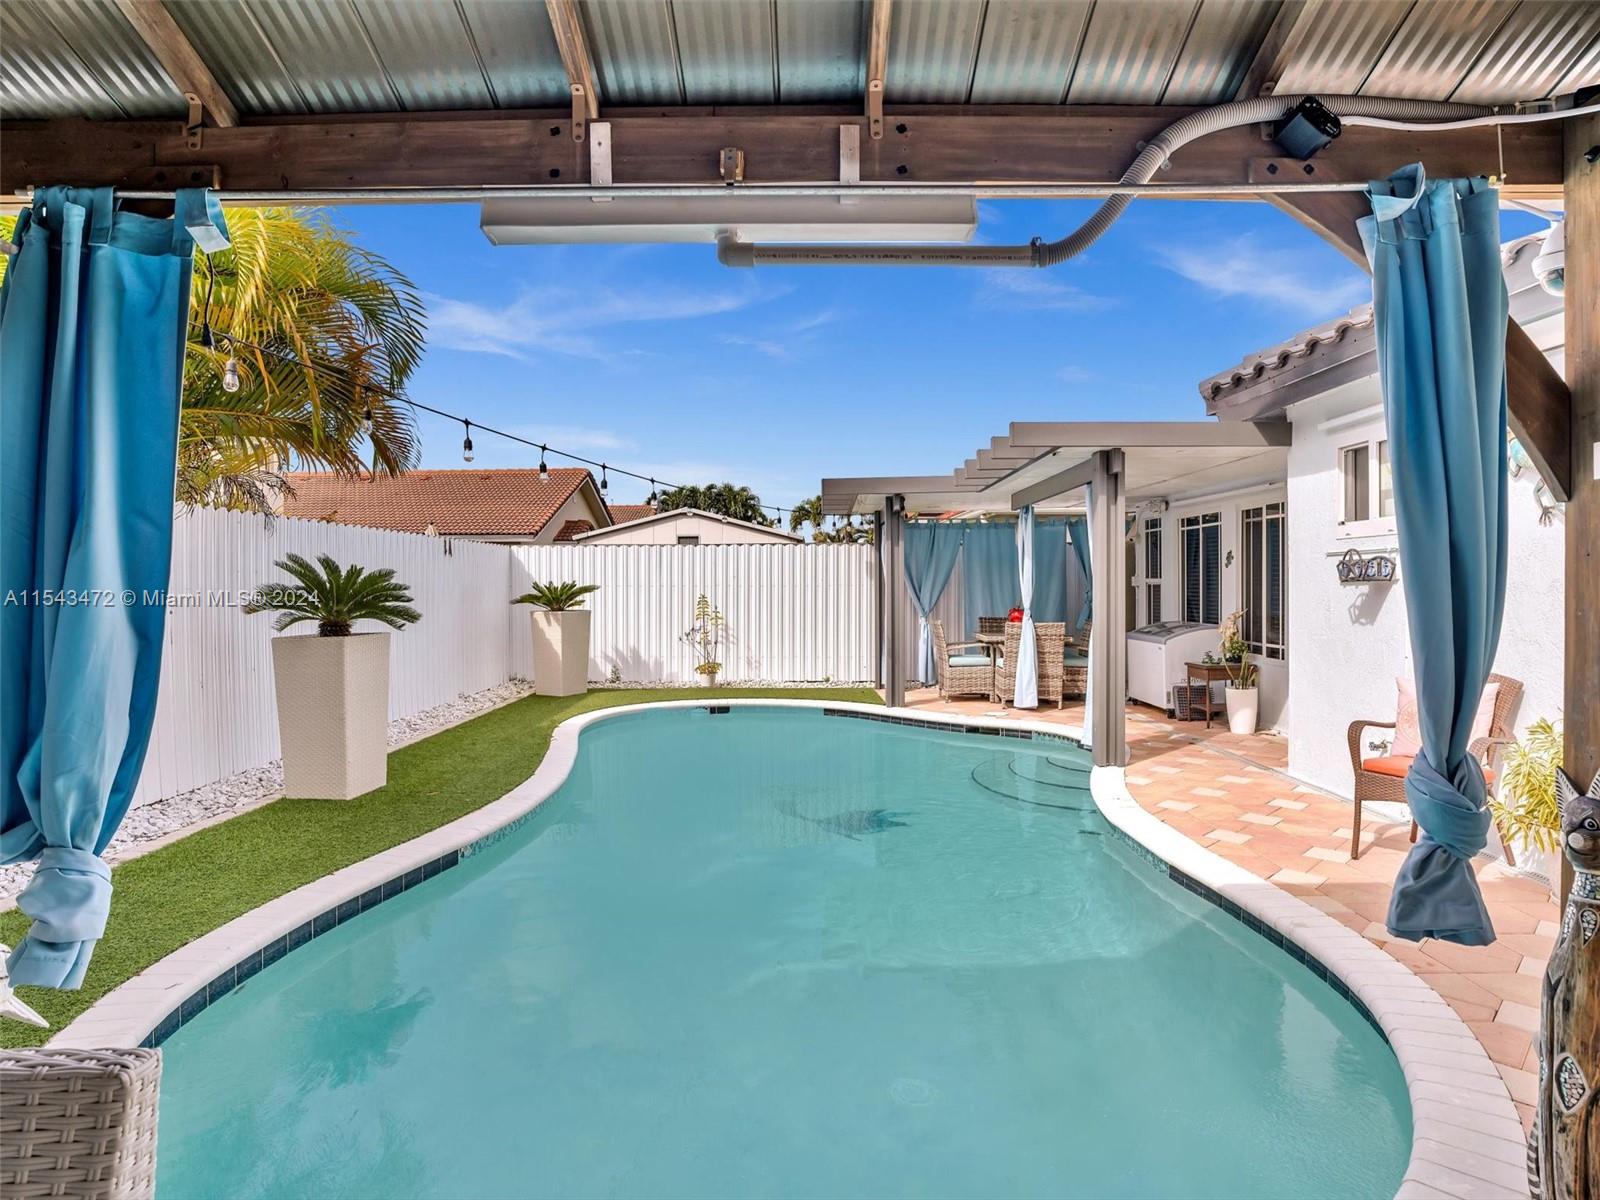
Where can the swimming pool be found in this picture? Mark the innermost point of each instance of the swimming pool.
(774, 952)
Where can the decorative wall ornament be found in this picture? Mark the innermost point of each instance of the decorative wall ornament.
(1564, 1151)
(1354, 567)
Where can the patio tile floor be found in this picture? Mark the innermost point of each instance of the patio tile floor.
(1231, 794)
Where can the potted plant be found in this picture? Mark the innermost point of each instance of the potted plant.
(1241, 693)
(704, 637)
(333, 689)
(1524, 807)
(560, 637)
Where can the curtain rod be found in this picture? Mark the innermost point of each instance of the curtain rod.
(476, 195)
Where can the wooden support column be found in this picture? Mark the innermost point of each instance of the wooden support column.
(1107, 701)
(894, 577)
(1581, 699)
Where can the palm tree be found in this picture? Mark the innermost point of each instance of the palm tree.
(807, 512)
(320, 333)
(724, 499)
(334, 597)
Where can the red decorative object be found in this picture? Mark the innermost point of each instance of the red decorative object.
(1014, 615)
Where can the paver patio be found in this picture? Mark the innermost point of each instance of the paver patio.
(1231, 794)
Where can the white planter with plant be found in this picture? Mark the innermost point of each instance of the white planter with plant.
(1241, 694)
(1524, 804)
(333, 689)
(704, 637)
(561, 628)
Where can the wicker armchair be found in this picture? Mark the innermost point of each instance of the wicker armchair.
(1049, 639)
(79, 1123)
(1385, 778)
(1080, 640)
(991, 626)
(968, 672)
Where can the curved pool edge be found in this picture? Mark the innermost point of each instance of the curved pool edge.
(1464, 1125)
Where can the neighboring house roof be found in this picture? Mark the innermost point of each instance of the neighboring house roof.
(572, 530)
(624, 514)
(459, 503)
(1325, 356)
(677, 513)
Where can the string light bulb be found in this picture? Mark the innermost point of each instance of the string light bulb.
(654, 501)
(466, 442)
(604, 482)
(544, 471)
(230, 374)
(366, 417)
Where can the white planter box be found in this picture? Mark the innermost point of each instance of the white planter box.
(561, 652)
(333, 714)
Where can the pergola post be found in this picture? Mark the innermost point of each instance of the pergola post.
(892, 528)
(882, 594)
(1108, 662)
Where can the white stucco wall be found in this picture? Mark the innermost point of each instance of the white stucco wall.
(667, 531)
(1347, 642)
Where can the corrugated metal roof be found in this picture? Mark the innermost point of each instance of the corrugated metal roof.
(295, 56)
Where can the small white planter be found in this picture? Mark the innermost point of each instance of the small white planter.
(560, 652)
(1242, 706)
(333, 714)
(709, 678)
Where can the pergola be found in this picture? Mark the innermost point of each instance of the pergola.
(351, 100)
(1103, 467)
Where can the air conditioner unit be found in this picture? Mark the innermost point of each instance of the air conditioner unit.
(742, 215)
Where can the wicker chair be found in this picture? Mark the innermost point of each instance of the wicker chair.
(1385, 778)
(961, 673)
(79, 1123)
(1080, 640)
(1049, 640)
(991, 626)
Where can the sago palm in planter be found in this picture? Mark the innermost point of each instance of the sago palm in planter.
(333, 689)
(560, 637)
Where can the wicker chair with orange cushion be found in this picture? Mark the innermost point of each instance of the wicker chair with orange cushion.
(1384, 778)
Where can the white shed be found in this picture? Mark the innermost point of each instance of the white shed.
(686, 527)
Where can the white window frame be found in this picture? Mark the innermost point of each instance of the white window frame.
(1263, 514)
(1376, 523)
(1153, 573)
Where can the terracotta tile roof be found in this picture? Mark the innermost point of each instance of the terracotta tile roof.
(630, 512)
(461, 503)
(571, 529)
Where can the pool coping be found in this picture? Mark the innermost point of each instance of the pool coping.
(1467, 1139)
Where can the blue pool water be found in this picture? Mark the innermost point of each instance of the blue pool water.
(777, 953)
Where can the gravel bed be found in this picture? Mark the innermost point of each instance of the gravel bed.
(249, 789)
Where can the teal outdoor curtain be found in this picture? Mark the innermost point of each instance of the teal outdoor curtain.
(1078, 531)
(930, 559)
(1049, 569)
(93, 318)
(989, 572)
(1440, 303)
(1027, 674)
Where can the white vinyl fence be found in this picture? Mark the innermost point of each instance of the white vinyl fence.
(794, 614)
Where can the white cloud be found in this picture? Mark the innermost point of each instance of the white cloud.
(1247, 267)
(573, 437)
(785, 341)
(569, 321)
(1031, 290)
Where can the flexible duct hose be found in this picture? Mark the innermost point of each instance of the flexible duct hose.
(1151, 159)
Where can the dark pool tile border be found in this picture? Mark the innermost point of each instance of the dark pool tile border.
(1023, 735)
(256, 961)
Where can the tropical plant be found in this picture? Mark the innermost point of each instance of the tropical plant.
(1526, 807)
(807, 512)
(1235, 653)
(724, 499)
(557, 597)
(320, 334)
(704, 637)
(334, 597)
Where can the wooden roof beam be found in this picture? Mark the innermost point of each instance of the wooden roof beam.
(179, 59)
(877, 66)
(573, 46)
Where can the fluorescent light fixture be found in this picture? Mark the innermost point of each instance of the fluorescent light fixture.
(742, 214)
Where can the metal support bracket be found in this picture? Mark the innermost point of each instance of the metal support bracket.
(850, 154)
(580, 111)
(875, 108)
(600, 156)
(192, 126)
(730, 165)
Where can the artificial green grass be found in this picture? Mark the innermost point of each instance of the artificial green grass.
(173, 895)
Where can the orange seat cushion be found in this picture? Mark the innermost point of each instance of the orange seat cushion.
(1396, 766)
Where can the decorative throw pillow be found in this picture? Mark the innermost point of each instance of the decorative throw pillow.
(1407, 731)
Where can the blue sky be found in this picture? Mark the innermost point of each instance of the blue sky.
(662, 361)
